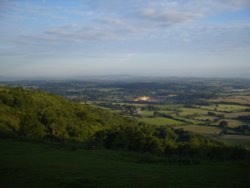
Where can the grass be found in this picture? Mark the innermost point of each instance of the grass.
(146, 113)
(241, 99)
(224, 108)
(234, 123)
(188, 120)
(237, 137)
(151, 112)
(169, 106)
(201, 129)
(204, 118)
(236, 114)
(131, 104)
(167, 112)
(239, 140)
(27, 165)
(161, 121)
(192, 111)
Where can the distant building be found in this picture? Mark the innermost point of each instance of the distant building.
(143, 99)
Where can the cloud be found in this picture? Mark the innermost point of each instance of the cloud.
(168, 18)
(113, 21)
(81, 34)
(134, 25)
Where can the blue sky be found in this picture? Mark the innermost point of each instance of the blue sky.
(203, 38)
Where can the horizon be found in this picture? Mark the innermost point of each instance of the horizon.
(83, 38)
(116, 77)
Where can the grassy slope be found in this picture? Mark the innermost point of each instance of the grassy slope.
(24, 164)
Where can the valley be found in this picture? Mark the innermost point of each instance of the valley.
(170, 133)
(213, 107)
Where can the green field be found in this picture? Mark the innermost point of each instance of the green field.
(236, 114)
(28, 165)
(192, 111)
(161, 121)
(169, 106)
(224, 108)
(239, 140)
(146, 113)
(234, 123)
(241, 99)
(151, 112)
(205, 118)
(201, 129)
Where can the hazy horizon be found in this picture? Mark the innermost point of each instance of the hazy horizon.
(68, 39)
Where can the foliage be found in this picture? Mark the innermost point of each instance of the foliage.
(35, 114)
(38, 115)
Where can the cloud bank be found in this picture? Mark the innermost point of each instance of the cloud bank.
(83, 30)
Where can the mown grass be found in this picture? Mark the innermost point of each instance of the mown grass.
(24, 164)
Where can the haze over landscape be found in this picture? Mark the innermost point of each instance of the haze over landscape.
(115, 37)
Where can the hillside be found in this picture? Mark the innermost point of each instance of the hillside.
(37, 115)
(84, 146)
(29, 165)
(41, 116)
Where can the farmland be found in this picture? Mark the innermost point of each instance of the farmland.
(167, 134)
(215, 107)
(161, 121)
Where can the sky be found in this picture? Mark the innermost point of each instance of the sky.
(74, 38)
